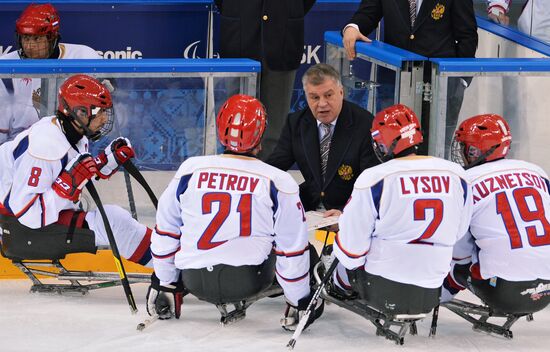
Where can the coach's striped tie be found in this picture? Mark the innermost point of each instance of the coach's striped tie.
(326, 129)
(412, 11)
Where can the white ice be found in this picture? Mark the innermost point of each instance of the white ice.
(101, 320)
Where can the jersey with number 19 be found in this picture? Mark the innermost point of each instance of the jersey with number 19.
(229, 209)
(511, 221)
(403, 218)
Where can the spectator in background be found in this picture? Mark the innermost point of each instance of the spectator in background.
(444, 28)
(37, 33)
(270, 31)
(534, 19)
(329, 140)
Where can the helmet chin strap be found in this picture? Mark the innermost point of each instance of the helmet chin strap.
(481, 159)
(389, 155)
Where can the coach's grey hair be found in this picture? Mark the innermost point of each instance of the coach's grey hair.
(317, 74)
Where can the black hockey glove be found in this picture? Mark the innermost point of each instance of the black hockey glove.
(165, 301)
(293, 314)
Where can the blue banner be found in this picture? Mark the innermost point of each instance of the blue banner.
(124, 30)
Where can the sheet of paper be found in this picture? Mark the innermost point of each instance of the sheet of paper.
(315, 220)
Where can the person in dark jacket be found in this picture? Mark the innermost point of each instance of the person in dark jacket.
(432, 28)
(329, 140)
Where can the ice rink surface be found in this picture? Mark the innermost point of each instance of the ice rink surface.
(101, 321)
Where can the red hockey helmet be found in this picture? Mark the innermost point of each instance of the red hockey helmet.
(38, 20)
(481, 138)
(395, 129)
(82, 96)
(241, 123)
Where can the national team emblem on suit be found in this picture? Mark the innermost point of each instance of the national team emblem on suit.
(437, 12)
(345, 172)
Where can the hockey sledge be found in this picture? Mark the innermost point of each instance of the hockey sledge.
(238, 312)
(233, 289)
(37, 253)
(392, 327)
(469, 311)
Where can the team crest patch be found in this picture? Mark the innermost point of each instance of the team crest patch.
(345, 172)
(437, 12)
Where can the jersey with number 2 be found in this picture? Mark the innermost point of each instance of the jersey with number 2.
(403, 219)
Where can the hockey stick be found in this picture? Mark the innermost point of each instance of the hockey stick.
(130, 192)
(435, 315)
(303, 321)
(147, 322)
(118, 261)
(131, 200)
(133, 170)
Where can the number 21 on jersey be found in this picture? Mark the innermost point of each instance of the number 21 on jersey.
(224, 208)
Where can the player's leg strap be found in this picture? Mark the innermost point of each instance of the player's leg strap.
(513, 297)
(228, 284)
(50, 242)
(391, 297)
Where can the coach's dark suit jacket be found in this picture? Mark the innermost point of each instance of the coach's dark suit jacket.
(279, 24)
(443, 28)
(350, 153)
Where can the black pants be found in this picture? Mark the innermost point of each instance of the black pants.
(503, 296)
(391, 297)
(455, 97)
(50, 242)
(229, 284)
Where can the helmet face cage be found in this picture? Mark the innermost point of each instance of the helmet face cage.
(80, 113)
(458, 152)
(49, 47)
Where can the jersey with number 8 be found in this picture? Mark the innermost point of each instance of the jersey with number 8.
(403, 218)
(511, 220)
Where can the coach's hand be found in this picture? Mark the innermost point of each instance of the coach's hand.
(352, 35)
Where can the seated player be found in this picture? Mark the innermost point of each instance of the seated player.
(505, 257)
(401, 222)
(37, 35)
(45, 168)
(227, 224)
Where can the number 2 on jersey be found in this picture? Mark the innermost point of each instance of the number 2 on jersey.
(504, 209)
(224, 208)
(420, 207)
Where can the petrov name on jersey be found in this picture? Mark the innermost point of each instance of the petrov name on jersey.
(227, 182)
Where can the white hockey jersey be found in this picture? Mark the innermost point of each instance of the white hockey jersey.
(403, 218)
(510, 222)
(229, 209)
(30, 165)
(16, 95)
